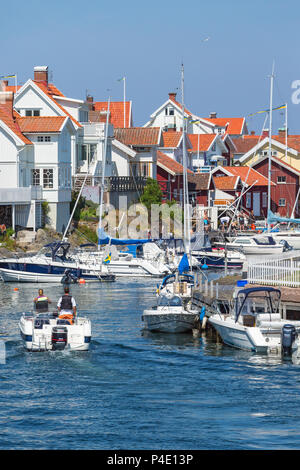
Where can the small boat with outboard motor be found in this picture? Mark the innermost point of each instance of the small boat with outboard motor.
(254, 323)
(42, 330)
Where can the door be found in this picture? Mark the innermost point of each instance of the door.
(256, 204)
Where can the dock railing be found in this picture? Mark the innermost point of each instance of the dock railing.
(283, 271)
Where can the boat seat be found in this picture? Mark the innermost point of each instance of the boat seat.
(248, 320)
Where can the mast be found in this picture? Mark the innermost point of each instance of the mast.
(270, 147)
(103, 169)
(185, 180)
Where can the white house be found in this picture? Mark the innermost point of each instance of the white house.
(20, 202)
(169, 117)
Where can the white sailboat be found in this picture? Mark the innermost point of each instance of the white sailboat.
(174, 312)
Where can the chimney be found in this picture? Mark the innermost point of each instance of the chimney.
(282, 132)
(41, 73)
(90, 102)
(7, 99)
(172, 96)
(252, 132)
(213, 115)
(265, 133)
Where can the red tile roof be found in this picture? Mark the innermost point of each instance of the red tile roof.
(226, 182)
(167, 163)
(200, 180)
(205, 141)
(7, 116)
(232, 125)
(171, 139)
(172, 98)
(248, 175)
(50, 90)
(246, 142)
(40, 124)
(116, 112)
(138, 136)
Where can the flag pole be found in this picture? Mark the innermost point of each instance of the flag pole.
(124, 99)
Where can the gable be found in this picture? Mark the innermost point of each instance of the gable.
(30, 98)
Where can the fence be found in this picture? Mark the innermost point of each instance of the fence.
(284, 271)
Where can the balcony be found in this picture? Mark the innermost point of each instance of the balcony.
(20, 195)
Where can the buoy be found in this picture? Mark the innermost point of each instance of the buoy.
(81, 281)
(16, 288)
(204, 266)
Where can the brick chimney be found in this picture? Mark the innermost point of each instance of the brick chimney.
(90, 102)
(172, 96)
(41, 74)
(252, 132)
(213, 115)
(282, 132)
(265, 133)
(7, 100)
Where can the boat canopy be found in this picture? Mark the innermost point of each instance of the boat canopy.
(55, 247)
(105, 239)
(182, 278)
(265, 240)
(273, 219)
(255, 300)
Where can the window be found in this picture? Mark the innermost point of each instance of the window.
(281, 179)
(248, 200)
(32, 112)
(169, 111)
(48, 178)
(42, 138)
(282, 202)
(264, 199)
(35, 177)
(213, 148)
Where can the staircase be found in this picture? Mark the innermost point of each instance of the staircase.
(79, 179)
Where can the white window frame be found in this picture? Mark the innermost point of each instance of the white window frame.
(280, 204)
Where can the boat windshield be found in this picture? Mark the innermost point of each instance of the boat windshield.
(265, 241)
(174, 301)
(253, 301)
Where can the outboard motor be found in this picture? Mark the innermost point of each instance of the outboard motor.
(69, 277)
(288, 337)
(286, 246)
(59, 337)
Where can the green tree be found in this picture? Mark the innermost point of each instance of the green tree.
(152, 193)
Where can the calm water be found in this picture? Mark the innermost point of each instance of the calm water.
(139, 391)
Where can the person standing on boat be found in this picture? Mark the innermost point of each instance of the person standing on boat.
(41, 302)
(67, 305)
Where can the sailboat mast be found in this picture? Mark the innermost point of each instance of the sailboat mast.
(270, 148)
(185, 181)
(104, 156)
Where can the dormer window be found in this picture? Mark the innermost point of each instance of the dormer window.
(32, 112)
(169, 111)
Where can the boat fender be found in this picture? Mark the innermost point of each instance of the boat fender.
(202, 314)
(204, 266)
(288, 337)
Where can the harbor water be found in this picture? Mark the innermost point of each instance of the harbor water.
(135, 390)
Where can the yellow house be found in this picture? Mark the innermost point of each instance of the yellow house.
(251, 148)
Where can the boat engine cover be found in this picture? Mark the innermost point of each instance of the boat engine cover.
(59, 337)
(288, 337)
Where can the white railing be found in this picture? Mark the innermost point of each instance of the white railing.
(281, 272)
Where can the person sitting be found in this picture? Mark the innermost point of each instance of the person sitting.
(41, 302)
(67, 306)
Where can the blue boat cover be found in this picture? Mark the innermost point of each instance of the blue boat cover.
(272, 219)
(184, 264)
(105, 239)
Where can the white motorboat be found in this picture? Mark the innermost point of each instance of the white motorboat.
(131, 261)
(51, 265)
(291, 237)
(45, 331)
(218, 257)
(254, 323)
(258, 245)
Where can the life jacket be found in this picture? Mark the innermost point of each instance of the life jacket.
(41, 303)
(66, 303)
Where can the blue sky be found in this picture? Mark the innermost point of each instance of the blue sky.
(90, 45)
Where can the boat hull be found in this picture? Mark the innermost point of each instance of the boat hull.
(169, 322)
